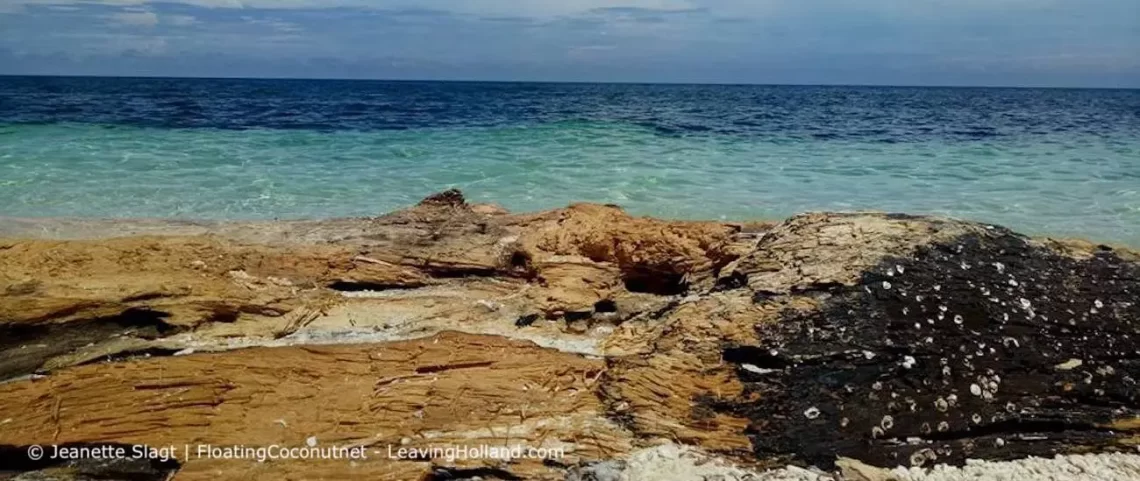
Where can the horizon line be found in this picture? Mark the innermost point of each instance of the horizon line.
(568, 82)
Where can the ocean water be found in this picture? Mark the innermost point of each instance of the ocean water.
(1057, 162)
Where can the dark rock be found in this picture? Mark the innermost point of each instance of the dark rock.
(24, 348)
(524, 321)
(985, 347)
(450, 197)
(474, 474)
(132, 463)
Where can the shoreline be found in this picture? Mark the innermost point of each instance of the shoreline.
(90, 228)
(629, 342)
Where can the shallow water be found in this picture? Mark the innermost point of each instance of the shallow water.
(1060, 162)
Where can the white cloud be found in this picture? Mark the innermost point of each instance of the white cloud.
(117, 43)
(140, 19)
(548, 8)
(537, 8)
(146, 46)
(179, 20)
(274, 23)
(144, 18)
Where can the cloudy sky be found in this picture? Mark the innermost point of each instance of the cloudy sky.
(1093, 43)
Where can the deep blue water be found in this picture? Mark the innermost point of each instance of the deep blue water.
(880, 114)
(1063, 162)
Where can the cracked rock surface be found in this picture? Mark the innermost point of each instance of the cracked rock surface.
(816, 347)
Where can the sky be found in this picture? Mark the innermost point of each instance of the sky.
(1055, 43)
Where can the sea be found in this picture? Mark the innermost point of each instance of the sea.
(1059, 162)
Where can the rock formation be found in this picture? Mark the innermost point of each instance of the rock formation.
(624, 343)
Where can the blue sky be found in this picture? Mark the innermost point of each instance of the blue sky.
(1094, 43)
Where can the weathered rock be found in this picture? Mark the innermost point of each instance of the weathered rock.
(891, 339)
(947, 351)
(447, 198)
(445, 390)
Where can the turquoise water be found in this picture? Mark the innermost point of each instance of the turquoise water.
(1041, 161)
(1066, 185)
